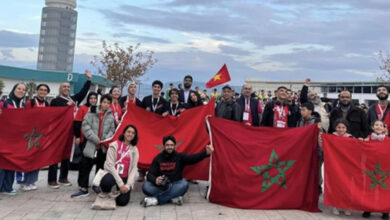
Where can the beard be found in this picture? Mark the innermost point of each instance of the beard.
(344, 104)
(316, 101)
(382, 98)
(187, 85)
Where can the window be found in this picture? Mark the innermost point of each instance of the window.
(43, 32)
(357, 89)
(44, 15)
(332, 89)
(366, 89)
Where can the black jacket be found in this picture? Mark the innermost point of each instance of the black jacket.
(254, 103)
(357, 118)
(229, 110)
(372, 114)
(78, 98)
(268, 115)
(181, 96)
(172, 165)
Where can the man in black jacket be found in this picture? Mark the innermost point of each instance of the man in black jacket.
(381, 110)
(251, 107)
(227, 108)
(185, 93)
(278, 113)
(356, 117)
(164, 180)
(65, 99)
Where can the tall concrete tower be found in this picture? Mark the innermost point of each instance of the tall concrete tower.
(58, 34)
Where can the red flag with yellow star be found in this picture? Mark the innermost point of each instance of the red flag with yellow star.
(221, 77)
(264, 168)
(357, 174)
(34, 138)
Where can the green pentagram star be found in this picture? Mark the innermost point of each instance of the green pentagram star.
(33, 139)
(161, 148)
(373, 175)
(281, 166)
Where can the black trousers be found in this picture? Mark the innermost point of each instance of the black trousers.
(52, 175)
(86, 165)
(108, 181)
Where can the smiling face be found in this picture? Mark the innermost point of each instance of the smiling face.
(42, 92)
(132, 89)
(193, 97)
(169, 146)
(129, 135)
(382, 93)
(65, 89)
(92, 100)
(156, 89)
(20, 91)
(116, 93)
(341, 129)
(282, 94)
(379, 127)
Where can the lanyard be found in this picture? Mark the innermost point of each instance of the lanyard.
(68, 99)
(128, 99)
(381, 112)
(281, 112)
(123, 152)
(154, 107)
(247, 105)
(174, 112)
(20, 104)
(37, 103)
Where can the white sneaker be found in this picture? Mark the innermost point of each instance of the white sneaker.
(177, 200)
(33, 187)
(150, 201)
(25, 188)
(335, 211)
(347, 212)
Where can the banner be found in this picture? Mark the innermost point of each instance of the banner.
(189, 129)
(356, 174)
(34, 138)
(264, 168)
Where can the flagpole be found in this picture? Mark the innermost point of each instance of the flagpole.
(211, 155)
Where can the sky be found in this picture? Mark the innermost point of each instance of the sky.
(326, 40)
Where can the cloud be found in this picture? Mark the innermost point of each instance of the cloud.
(233, 50)
(141, 38)
(11, 39)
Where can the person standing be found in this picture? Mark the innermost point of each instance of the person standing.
(228, 108)
(381, 110)
(175, 107)
(15, 100)
(194, 100)
(115, 106)
(65, 99)
(155, 103)
(185, 93)
(355, 116)
(98, 124)
(251, 107)
(27, 180)
(130, 98)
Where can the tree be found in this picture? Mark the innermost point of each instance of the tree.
(384, 66)
(31, 86)
(123, 65)
(1, 86)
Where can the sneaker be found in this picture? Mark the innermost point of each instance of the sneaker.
(65, 182)
(54, 185)
(79, 194)
(385, 215)
(193, 181)
(141, 175)
(335, 211)
(11, 193)
(33, 187)
(347, 212)
(177, 200)
(366, 214)
(25, 188)
(150, 201)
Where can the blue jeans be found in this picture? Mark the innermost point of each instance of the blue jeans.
(6, 180)
(27, 178)
(176, 189)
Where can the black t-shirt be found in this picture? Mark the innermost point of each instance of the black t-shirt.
(175, 108)
(157, 105)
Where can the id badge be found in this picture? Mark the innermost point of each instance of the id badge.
(245, 116)
(280, 124)
(148, 109)
(120, 168)
(116, 115)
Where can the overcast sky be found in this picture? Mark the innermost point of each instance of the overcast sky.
(329, 40)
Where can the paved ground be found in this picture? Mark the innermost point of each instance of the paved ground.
(48, 203)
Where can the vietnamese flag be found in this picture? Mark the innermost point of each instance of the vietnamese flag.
(34, 138)
(189, 129)
(264, 168)
(221, 77)
(357, 174)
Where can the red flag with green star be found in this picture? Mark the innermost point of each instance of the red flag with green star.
(34, 138)
(357, 174)
(264, 168)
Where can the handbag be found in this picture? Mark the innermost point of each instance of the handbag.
(102, 172)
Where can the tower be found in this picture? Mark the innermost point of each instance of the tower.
(58, 34)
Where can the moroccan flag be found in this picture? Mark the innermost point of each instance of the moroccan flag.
(189, 129)
(221, 77)
(357, 174)
(264, 168)
(34, 138)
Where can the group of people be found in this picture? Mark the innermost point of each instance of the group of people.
(95, 122)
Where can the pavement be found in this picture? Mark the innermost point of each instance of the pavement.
(46, 203)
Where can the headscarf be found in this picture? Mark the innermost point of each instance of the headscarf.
(12, 99)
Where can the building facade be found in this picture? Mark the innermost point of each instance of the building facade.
(57, 36)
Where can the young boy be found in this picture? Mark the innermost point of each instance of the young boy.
(307, 115)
